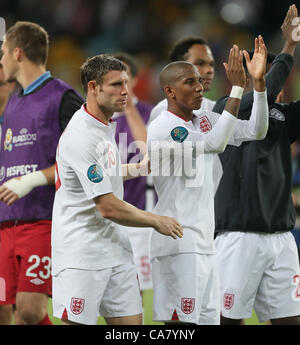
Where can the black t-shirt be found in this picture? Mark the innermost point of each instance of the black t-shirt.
(254, 193)
(69, 104)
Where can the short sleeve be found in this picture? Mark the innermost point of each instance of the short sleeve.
(90, 170)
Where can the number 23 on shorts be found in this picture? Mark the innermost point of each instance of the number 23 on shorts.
(44, 265)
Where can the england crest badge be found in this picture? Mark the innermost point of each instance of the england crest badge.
(187, 305)
(205, 125)
(77, 305)
(228, 300)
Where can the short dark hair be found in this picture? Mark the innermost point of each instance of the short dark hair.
(129, 60)
(32, 38)
(170, 74)
(270, 58)
(95, 68)
(180, 48)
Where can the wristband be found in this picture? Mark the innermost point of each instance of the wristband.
(26, 183)
(236, 92)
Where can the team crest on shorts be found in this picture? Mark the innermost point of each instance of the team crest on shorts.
(187, 305)
(205, 125)
(179, 134)
(95, 174)
(77, 305)
(228, 300)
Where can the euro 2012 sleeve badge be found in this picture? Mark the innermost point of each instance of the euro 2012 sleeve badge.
(95, 174)
(179, 134)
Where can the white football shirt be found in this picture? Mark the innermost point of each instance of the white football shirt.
(206, 105)
(88, 165)
(193, 206)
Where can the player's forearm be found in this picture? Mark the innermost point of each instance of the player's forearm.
(261, 109)
(278, 74)
(289, 48)
(130, 171)
(257, 126)
(259, 85)
(218, 138)
(232, 106)
(23, 185)
(49, 173)
(123, 213)
(233, 103)
(259, 118)
(133, 170)
(128, 215)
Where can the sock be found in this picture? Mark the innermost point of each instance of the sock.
(45, 321)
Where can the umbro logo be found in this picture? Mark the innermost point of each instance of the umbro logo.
(37, 281)
(276, 114)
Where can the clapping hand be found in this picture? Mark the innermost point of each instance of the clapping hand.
(257, 65)
(234, 67)
(290, 27)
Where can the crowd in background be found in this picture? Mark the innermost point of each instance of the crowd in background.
(147, 29)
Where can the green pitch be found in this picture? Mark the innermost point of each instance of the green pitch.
(148, 295)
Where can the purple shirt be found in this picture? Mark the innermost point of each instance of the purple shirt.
(30, 134)
(135, 189)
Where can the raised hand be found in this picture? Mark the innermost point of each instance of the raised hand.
(257, 65)
(290, 27)
(234, 67)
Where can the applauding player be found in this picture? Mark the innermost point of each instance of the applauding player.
(185, 279)
(256, 252)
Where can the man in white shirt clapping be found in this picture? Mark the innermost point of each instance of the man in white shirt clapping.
(185, 280)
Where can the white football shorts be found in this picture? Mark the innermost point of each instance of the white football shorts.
(258, 271)
(140, 242)
(186, 289)
(83, 295)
